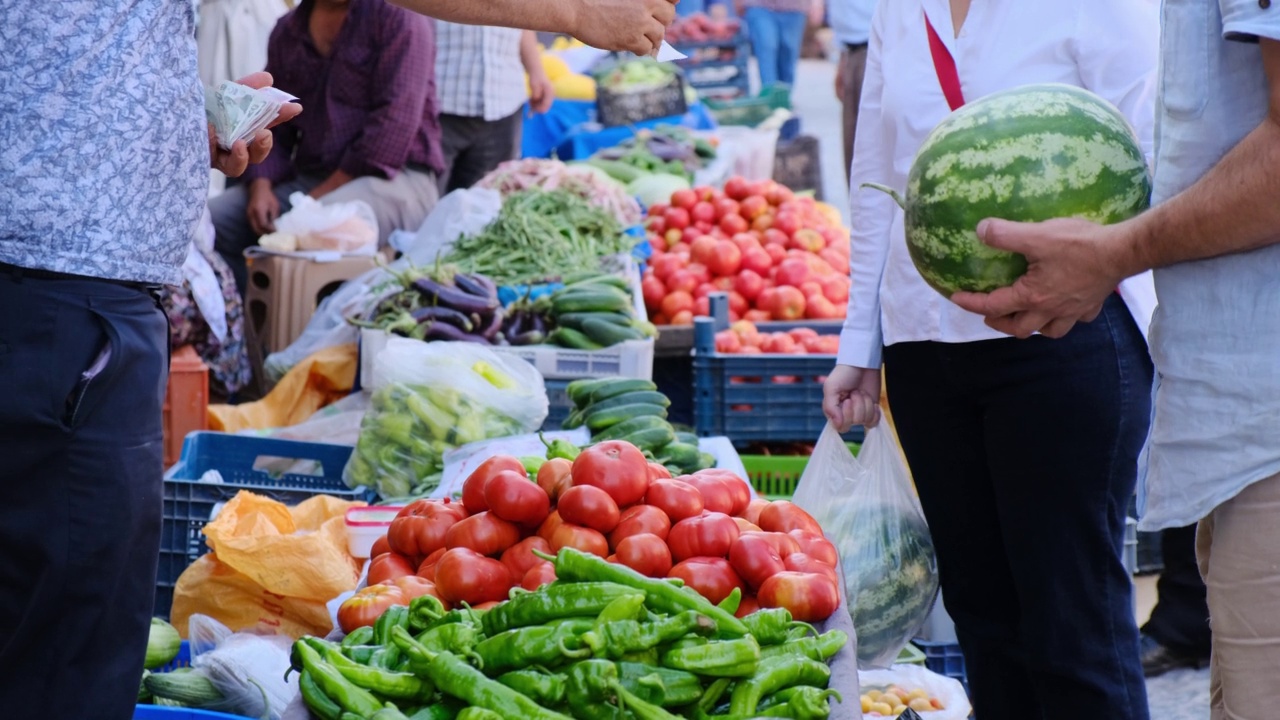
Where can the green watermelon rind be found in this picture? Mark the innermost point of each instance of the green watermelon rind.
(1013, 155)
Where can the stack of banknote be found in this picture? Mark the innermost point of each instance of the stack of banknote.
(238, 112)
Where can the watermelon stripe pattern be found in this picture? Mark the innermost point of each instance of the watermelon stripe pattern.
(1032, 153)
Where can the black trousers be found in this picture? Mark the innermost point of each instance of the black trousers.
(473, 146)
(1024, 453)
(83, 367)
(1180, 619)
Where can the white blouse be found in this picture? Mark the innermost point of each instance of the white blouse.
(1109, 47)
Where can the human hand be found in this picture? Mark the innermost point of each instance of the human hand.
(851, 396)
(235, 161)
(1072, 266)
(263, 207)
(541, 92)
(634, 25)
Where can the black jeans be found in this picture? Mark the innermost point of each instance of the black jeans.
(1024, 453)
(83, 367)
(1180, 619)
(473, 146)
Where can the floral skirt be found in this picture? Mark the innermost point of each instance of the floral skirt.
(228, 359)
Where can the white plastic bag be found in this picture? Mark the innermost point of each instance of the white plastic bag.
(247, 668)
(949, 692)
(429, 398)
(868, 509)
(466, 211)
(348, 227)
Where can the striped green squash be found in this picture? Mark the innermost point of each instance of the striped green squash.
(1030, 154)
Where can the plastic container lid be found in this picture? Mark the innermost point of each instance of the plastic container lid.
(372, 515)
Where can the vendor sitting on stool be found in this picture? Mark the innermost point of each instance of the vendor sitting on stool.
(364, 69)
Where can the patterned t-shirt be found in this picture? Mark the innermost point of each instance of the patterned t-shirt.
(103, 143)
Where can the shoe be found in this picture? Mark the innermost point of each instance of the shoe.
(1159, 659)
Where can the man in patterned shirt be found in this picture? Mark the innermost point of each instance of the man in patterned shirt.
(372, 132)
(480, 74)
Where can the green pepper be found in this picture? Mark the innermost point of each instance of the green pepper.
(349, 696)
(561, 448)
(457, 638)
(731, 602)
(724, 658)
(544, 688)
(454, 677)
(576, 566)
(624, 607)
(446, 709)
(387, 683)
(321, 705)
(552, 603)
(360, 636)
(638, 707)
(388, 712)
(389, 657)
(775, 674)
(540, 644)
(589, 688)
(771, 626)
(643, 657)
(673, 688)
(809, 703)
(712, 695)
(618, 638)
(822, 647)
(423, 611)
(476, 713)
(362, 654)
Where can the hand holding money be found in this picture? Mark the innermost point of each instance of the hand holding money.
(240, 116)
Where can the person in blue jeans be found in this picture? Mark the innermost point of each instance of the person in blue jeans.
(777, 32)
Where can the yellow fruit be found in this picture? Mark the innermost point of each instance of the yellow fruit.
(554, 67)
(882, 708)
(919, 693)
(575, 87)
(874, 695)
(866, 704)
(920, 705)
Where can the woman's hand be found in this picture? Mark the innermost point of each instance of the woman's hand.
(263, 207)
(851, 396)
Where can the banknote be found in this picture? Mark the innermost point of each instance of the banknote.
(238, 112)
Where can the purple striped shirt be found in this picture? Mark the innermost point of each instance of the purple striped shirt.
(801, 6)
(369, 108)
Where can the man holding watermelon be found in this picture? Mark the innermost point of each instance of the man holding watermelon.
(1213, 239)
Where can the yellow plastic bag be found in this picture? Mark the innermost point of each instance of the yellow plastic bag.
(272, 567)
(321, 379)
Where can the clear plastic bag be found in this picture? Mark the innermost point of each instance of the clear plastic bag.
(868, 508)
(429, 398)
(342, 226)
(949, 692)
(247, 668)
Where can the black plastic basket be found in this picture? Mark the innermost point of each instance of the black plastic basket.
(797, 164)
(628, 108)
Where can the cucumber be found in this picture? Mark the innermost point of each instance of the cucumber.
(687, 437)
(572, 339)
(624, 173)
(607, 418)
(590, 300)
(651, 439)
(597, 281)
(573, 421)
(575, 319)
(645, 327)
(633, 425)
(615, 386)
(681, 454)
(706, 460)
(608, 334)
(651, 397)
(579, 391)
(189, 688)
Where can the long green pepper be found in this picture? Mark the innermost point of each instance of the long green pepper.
(664, 686)
(618, 638)
(320, 705)
(809, 703)
(736, 658)
(775, 674)
(552, 603)
(822, 647)
(771, 626)
(540, 644)
(542, 687)
(351, 697)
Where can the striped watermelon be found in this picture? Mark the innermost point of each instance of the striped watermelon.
(1031, 153)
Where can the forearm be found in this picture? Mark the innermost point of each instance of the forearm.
(336, 180)
(530, 56)
(525, 14)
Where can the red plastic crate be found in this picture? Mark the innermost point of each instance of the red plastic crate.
(186, 401)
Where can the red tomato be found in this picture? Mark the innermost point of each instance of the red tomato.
(617, 467)
(748, 605)
(365, 607)
(645, 553)
(732, 224)
(703, 212)
(792, 271)
(755, 559)
(702, 249)
(726, 207)
(753, 207)
(737, 306)
(808, 240)
(699, 272)
(389, 566)
(748, 283)
(818, 307)
(640, 519)
(777, 253)
(473, 487)
(684, 198)
(675, 303)
(658, 208)
(778, 194)
(774, 236)
(658, 471)
(785, 516)
(381, 545)
(836, 259)
(782, 542)
(780, 343)
(591, 507)
(676, 218)
(726, 260)
(836, 288)
(538, 575)
(653, 290)
(786, 223)
(738, 489)
(554, 477)
(710, 534)
(800, 562)
(685, 317)
(514, 498)
(762, 223)
(665, 265)
(579, 538)
(420, 527)
(811, 288)
(745, 525)
(679, 500)
(427, 569)
(716, 495)
(789, 304)
(758, 316)
(682, 281)
(802, 334)
(519, 558)
(655, 225)
(463, 575)
(809, 598)
(548, 526)
(737, 188)
(484, 533)
(414, 587)
(816, 546)
(752, 513)
(712, 577)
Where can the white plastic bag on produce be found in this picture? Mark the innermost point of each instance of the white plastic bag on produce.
(749, 150)
(343, 226)
(466, 211)
(247, 668)
(870, 512)
(948, 692)
(337, 424)
(429, 398)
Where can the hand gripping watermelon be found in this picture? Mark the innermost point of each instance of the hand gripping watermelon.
(1028, 154)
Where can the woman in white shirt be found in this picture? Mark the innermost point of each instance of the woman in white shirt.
(1024, 453)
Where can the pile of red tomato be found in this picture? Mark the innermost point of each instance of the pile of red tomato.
(704, 529)
(779, 256)
(744, 338)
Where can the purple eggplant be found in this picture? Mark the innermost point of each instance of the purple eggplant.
(459, 300)
(539, 324)
(532, 337)
(440, 313)
(490, 330)
(445, 331)
(477, 284)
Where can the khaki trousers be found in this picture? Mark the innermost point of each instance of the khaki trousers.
(1238, 547)
(853, 66)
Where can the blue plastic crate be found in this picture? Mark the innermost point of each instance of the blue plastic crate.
(752, 397)
(285, 470)
(945, 659)
(558, 402)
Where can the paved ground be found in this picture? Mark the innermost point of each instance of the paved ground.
(1182, 695)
